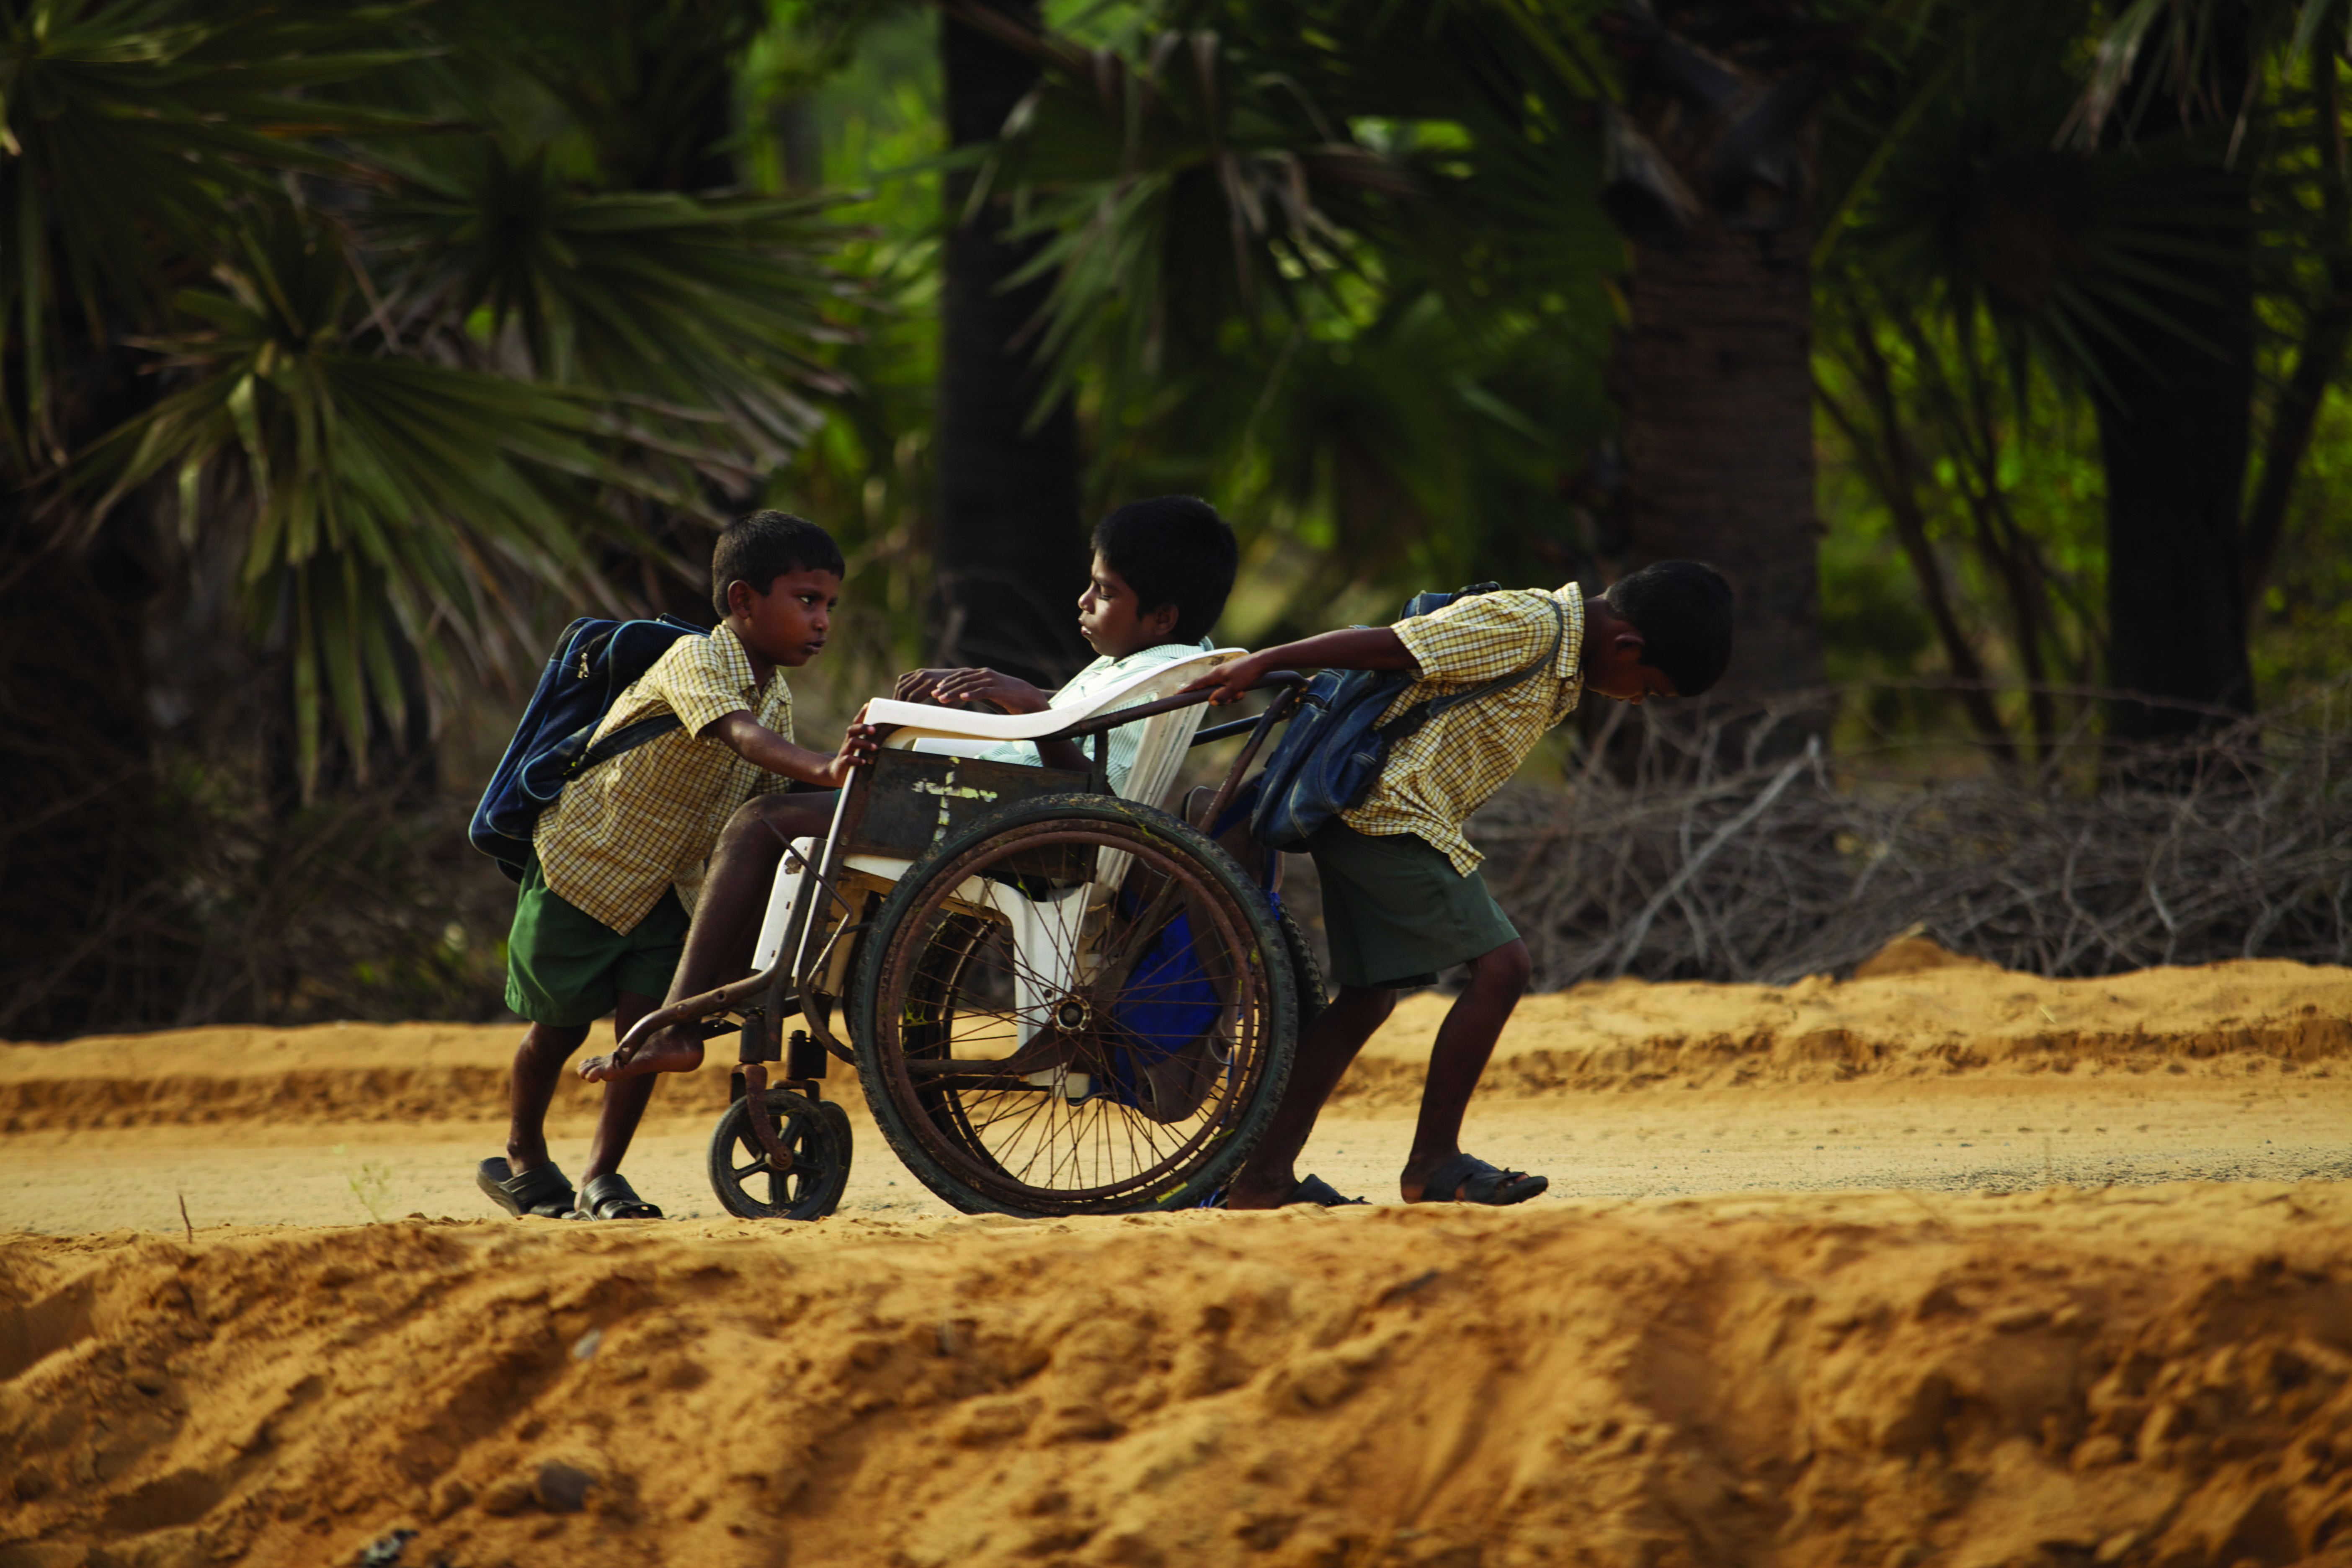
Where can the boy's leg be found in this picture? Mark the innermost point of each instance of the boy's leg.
(557, 972)
(1396, 911)
(726, 922)
(563, 965)
(624, 1099)
(1465, 1042)
(531, 1089)
(1324, 1048)
(539, 1065)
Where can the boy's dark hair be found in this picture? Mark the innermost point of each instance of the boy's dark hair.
(755, 549)
(1173, 550)
(1683, 611)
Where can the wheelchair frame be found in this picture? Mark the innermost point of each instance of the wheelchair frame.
(888, 811)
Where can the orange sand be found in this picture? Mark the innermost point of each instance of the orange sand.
(2163, 1377)
(2155, 1376)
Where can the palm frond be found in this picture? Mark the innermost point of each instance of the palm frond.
(647, 86)
(1172, 193)
(129, 128)
(2206, 56)
(365, 491)
(1968, 203)
(677, 302)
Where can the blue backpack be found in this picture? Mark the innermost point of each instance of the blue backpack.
(595, 661)
(1334, 746)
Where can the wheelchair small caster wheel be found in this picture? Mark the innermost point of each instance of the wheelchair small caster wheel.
(749, 1185)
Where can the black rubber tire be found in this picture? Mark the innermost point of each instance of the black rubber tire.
(930, 1130)
(818, 1132)
(1306, 970)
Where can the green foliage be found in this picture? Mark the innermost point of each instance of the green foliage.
(845, 96)
(407, 380)
(685, 311)
(132, 123)
(644, 90)
(369, 489)
(2303, 616)
(1338, 267)
(2009, 218)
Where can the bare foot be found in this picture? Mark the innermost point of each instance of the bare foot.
(667, 1050)
(1412, 1184)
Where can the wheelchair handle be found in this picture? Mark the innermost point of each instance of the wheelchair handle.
(1106, 722)
(1285, 702)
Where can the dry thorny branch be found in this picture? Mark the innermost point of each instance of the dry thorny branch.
(1654, 861)
(1659, 866)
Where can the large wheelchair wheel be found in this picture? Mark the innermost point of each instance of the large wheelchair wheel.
(1306, 969)
(1036, 1041)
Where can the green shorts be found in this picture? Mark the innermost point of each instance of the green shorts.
(1397, 911)
(565, 968)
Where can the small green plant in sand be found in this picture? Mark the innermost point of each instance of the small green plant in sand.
(372, 1185)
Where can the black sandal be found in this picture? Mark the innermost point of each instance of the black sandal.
(543, 1190)
(612, 1197)
(1467, 1179)
(1316, 1190)
(1308, 1190)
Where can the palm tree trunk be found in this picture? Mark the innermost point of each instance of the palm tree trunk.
(2176, 415)
(1718, 410)
(2173, 436)
(1011, 555)
(87, 939)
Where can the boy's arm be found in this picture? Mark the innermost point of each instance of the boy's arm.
(962, 688)
(1358, 648)
(763, 748)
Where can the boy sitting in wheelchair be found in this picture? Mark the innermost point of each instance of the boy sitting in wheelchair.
(1160, 573)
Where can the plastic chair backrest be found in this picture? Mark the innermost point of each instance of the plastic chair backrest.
(1161, 746)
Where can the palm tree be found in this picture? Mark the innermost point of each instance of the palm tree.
(384, 385)
(2103, 230)
(2176, 399)
(1011, 557)
(1207, 185)
(1710, 175)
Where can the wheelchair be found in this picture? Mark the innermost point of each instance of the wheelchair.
(1057, 999)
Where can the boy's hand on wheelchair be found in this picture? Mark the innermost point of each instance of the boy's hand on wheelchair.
(963, 688)
(921, 684)
(860, 742)
(1229, 682)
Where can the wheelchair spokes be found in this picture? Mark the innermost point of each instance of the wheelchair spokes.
(1072, 1048)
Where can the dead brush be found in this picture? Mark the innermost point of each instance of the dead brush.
(1659, 860)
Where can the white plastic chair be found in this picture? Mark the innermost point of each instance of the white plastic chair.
(1160, 752)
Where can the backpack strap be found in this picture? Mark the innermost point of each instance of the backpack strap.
(627, 738)
(1408, 722)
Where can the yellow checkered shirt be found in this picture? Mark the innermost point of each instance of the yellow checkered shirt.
(623, 831)
(1439, 776)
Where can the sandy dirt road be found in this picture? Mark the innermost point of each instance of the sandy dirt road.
(1927, 1073)
(1938, 1266)
(2002, 1135)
